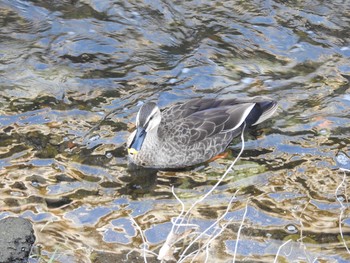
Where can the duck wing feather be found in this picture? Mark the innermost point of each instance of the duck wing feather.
(182, 110)
(202, 120)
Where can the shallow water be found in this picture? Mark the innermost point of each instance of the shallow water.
(65, 65)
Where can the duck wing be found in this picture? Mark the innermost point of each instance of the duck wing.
(264, 108)
(183, 110)
(205, 122)
(201, 119)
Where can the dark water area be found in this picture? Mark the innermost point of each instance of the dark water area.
(66, 65)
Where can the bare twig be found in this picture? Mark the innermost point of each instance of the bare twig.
(182, 209)
(220, 180)
(183, 254)
(46, 224)
(301, 231)
(343, 207)
(239, 231)
(279, 249)
(167, 250)
(143, 238)
(214, 236)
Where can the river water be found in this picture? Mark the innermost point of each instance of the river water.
(73, 75)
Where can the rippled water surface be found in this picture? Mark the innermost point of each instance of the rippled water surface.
(65, 65)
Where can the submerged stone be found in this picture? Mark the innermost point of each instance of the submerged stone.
(17, 238)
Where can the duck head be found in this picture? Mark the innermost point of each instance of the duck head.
(147, 120)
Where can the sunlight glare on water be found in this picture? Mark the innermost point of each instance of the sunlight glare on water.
(65, 65)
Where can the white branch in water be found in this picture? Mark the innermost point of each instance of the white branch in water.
(167, 250)
(220, 180)
(181, 213)
(279, 249)
(183, 254)
(143, 238)
(46, 224)
(239, 231)
(301, 231)
(342, 210)
(214, 236)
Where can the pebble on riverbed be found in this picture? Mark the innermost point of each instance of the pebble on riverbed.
(17, 238)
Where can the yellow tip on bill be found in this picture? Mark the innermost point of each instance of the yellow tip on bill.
(132, 151)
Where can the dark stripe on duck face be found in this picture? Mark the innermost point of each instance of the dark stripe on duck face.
(146, 111)
(139, 137)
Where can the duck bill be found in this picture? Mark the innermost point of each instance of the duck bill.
(137, 142)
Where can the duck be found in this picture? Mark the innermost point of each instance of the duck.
(192, 132)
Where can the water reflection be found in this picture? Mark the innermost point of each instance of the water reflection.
(65, 65)
(139, 182)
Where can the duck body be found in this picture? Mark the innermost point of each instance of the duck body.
(193, 132)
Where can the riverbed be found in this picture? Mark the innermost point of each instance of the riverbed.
(74, 74)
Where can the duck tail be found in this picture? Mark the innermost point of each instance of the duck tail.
(262, 110)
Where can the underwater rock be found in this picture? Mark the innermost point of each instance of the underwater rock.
(16, 240)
